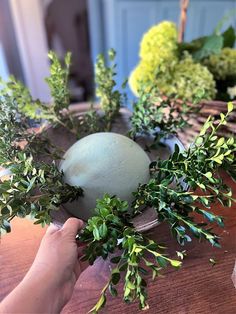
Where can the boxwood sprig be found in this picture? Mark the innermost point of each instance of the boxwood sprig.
(158, 116)
(36, 188)
(111, 99)
(33, 188)
(198, 167)
(111, 230)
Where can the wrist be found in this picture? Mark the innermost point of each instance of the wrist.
(46, 289)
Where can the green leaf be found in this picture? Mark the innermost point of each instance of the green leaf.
(229, 37)
(103, 230)
(96, 234)
(5, 211)
(199, 140)
(208, 174)
(220, 142)
(175, 263)
(130, 285)
(212, 45)
(113, 290)
(126, 292)
(100, 304)
(212, 261)
(115, 277)
(161, 261)
(115, 259)
(230, 106)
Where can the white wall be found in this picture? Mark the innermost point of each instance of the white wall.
(31, 40)
(3, 65)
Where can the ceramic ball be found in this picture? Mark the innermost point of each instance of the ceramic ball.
(103, 163)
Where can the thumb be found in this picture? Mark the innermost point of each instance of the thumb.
(72, 226)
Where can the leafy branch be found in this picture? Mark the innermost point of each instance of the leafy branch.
(198, 168)
(36, 188)
(110, 229)
(33, 188)
(159, 116)
(110, 99)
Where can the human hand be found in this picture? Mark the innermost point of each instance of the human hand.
(49, 283)
(59, 255)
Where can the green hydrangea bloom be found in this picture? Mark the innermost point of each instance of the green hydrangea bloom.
(184, 78)
(190, 77)
(159, 44)
(222, 65)
(140, 76)
(159, 66)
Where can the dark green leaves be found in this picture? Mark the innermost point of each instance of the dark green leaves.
(199, 166)
(229, 37)
(115, 276)
(211, 45)
(111, 229)
(157, 116)
(203, 47)
(35, 189)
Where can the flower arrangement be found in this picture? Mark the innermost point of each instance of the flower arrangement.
(37, 188)
(183, 68)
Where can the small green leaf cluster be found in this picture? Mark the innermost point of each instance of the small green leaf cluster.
(110, 229)
(57, 113)
(105, 228)
(159, 117)
(198, 168)
(58, 81)
(110, 99)
(34, 189)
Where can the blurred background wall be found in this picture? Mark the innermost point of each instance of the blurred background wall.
(29, 28)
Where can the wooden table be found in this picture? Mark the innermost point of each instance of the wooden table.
(196, 288)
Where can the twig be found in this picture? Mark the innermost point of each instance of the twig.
(183, 17)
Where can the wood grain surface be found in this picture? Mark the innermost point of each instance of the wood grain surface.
(195, 288)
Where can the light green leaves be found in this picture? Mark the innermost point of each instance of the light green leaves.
(157, 116)
(230, 107)
(110, 98)
(208, 175)
(220, 142)
(99, 305)
(175, 263)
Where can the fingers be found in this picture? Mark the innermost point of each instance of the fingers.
(72, 226)
(52, 229)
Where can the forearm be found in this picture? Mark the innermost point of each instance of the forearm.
(49, 283)
(35, 294)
